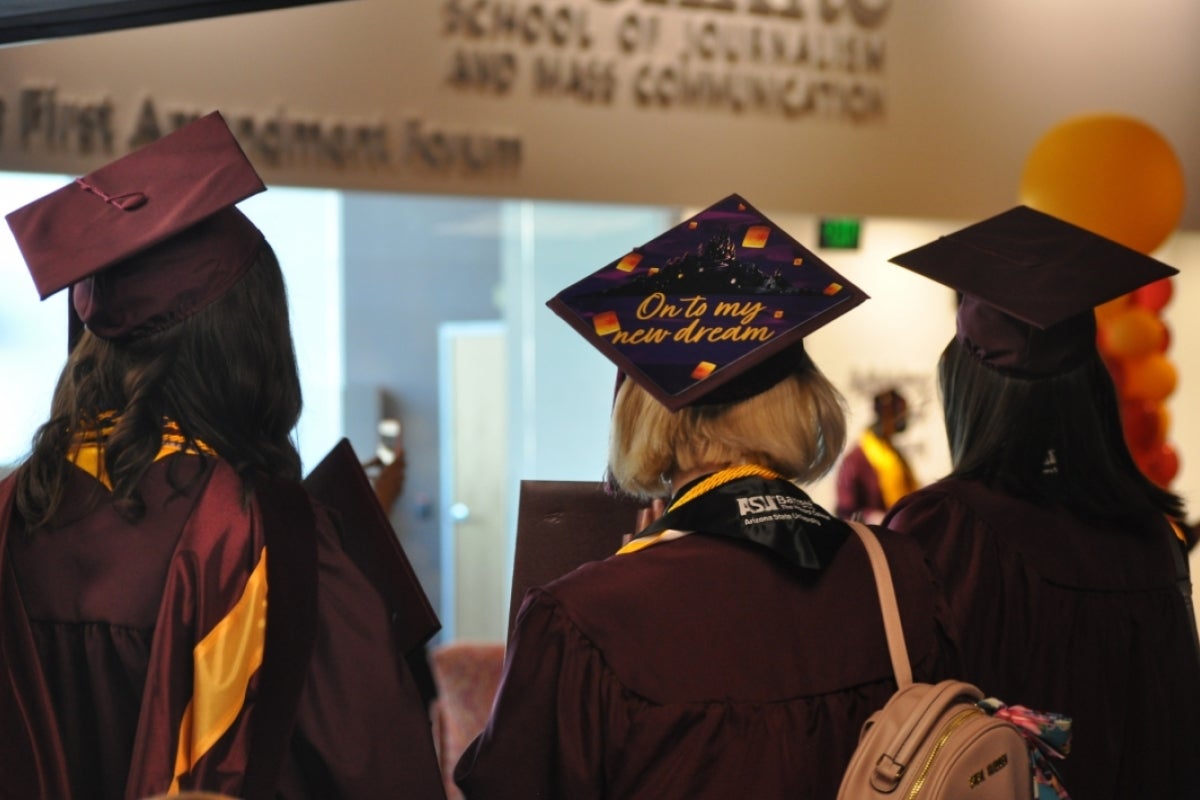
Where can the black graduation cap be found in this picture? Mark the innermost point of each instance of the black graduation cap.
(712, 311)
(1030, 282)
(150, 238)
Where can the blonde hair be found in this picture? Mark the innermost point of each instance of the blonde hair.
(797, 428)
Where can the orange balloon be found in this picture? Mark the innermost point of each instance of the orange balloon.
(1112, 174)
(1154, 296)
(1152, 377)
(1136, 332)
(1113, 308)
(1145, 424)
(1166, 339)
(1159, 463)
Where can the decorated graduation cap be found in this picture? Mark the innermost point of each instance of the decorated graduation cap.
(712, 311)
(149, 239)
(1029, 284)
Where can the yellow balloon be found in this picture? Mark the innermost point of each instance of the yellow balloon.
(1112, 174)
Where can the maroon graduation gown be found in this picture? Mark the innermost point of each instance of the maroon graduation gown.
(860, 483)
(1057, 614)
(698, 668)
(857, 486)
(119, 617)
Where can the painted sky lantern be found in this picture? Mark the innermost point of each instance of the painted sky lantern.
(689, 312)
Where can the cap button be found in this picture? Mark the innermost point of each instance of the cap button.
(128, 202)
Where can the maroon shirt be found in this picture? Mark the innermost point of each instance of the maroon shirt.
(115, 610)
(1060, 615)
(698, 668)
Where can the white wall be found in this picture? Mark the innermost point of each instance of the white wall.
(33, 334)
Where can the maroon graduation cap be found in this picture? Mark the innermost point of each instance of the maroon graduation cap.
(149, 239)
(1030, 282)
(712, 311)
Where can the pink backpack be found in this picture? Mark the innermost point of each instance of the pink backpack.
(944, 741)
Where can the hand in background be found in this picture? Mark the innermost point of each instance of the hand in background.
(389, 478)
(647, 517)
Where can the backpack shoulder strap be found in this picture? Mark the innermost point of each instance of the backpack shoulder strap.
(897, 649)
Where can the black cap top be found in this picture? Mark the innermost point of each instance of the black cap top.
(1030, 282)
(714, 310)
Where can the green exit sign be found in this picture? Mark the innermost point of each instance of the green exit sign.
(840, 233)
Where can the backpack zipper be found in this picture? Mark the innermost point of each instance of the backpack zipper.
(955, 722)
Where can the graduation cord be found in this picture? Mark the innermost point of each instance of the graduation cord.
(721, 478)
(717, 479)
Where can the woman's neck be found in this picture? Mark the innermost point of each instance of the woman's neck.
(684, 477)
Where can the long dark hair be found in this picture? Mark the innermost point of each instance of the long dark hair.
(226, 375)
(1053, 441)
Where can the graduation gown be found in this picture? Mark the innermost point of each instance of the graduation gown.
(701, 667)
(1053, 613)
(138, 659)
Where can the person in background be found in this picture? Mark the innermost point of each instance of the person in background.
(1064, 572)
(176, 613)
(735, 647)
(874, 474)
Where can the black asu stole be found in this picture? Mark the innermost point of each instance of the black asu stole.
(752, 504)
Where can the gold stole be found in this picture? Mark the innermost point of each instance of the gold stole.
(228, 656)
(895, 478)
